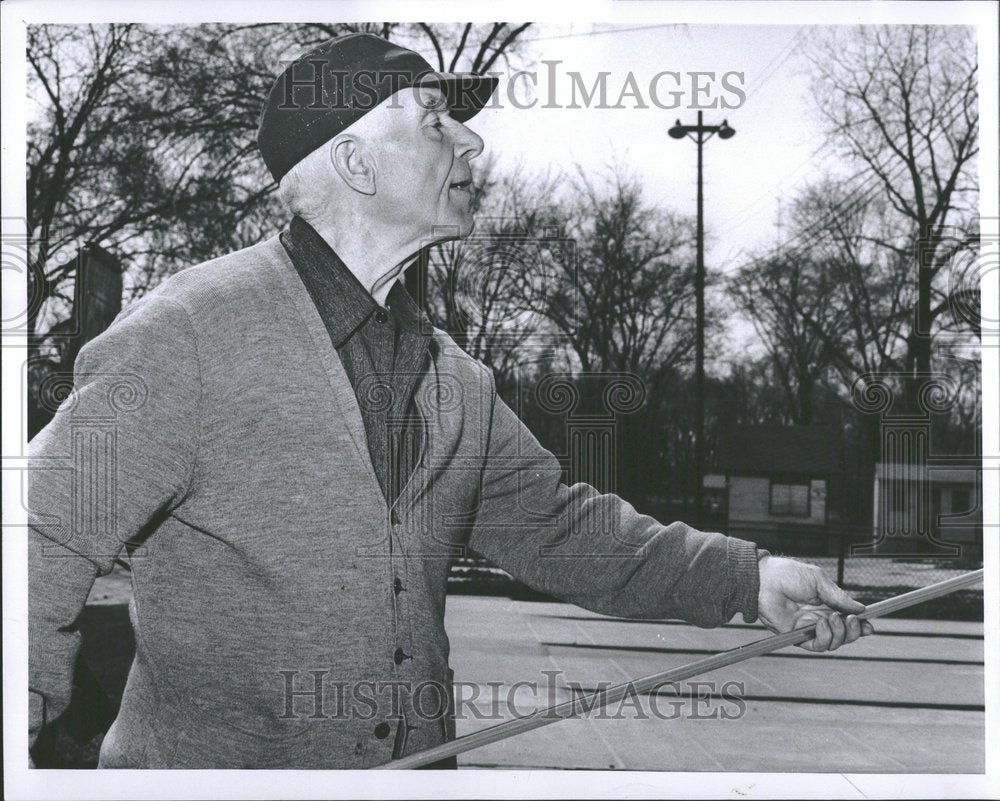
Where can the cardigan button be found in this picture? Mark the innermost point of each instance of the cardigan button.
(381, 316)
(400, 655)
(394, 517)
(397, 585)
(382, 731)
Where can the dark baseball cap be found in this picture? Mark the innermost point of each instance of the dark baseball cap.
(334, 85)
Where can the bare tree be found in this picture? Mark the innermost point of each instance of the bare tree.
(75, 82)
(868, 320)
(901, 102)
(625, 304)
(133, 145)
(788, 298)
(480, 288)
(467, 46)
(834, 304)
(747, 394)
(144, 138)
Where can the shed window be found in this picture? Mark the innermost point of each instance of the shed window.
(790, 500)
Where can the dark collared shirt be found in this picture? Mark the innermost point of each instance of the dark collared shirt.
(384, 352)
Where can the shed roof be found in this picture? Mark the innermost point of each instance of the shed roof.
(781, 449)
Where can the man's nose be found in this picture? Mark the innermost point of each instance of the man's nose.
(468, 144)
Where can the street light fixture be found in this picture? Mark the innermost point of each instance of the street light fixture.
(700, 134)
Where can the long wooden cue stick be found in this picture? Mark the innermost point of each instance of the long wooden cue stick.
(579, 705)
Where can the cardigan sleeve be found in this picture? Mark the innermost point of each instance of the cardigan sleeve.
(118, 453)
(594, 549)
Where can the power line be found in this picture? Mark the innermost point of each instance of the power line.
(742, 214)
(769, 71)
(860, 197)
(597, 33)
(788, 49)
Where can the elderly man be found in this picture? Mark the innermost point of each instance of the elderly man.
(288, 455)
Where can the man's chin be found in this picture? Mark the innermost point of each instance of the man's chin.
(459, 229)
(465, 230)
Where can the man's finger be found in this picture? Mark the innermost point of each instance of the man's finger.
(833, 596)
(853, 628)
(866, 628)
(821, 642)
(839, 631)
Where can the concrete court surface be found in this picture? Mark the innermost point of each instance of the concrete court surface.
(908, 699)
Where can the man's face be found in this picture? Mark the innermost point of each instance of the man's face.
(423, 177)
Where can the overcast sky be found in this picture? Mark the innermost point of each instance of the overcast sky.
(777, 148)
(774, 150)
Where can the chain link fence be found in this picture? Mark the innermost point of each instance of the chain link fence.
(864, 569)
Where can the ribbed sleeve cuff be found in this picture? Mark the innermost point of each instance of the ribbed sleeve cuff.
(742, 557)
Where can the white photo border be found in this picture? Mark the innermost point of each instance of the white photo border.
(223, 784)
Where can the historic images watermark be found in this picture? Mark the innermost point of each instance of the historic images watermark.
(314, 85)
(667, 89)
(319, 695)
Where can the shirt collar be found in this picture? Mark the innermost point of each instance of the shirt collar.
(341, 299)
(408, 314)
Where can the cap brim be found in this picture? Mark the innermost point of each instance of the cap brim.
(465, 92)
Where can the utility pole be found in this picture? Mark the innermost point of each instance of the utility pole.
(700, 134)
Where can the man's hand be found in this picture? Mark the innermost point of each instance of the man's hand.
(795, 594)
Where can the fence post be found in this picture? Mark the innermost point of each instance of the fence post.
(841, 550)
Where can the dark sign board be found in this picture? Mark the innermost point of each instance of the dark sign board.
(98, 295)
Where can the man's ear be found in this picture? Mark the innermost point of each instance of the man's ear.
(354, 164)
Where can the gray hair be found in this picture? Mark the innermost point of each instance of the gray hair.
(305, 190)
